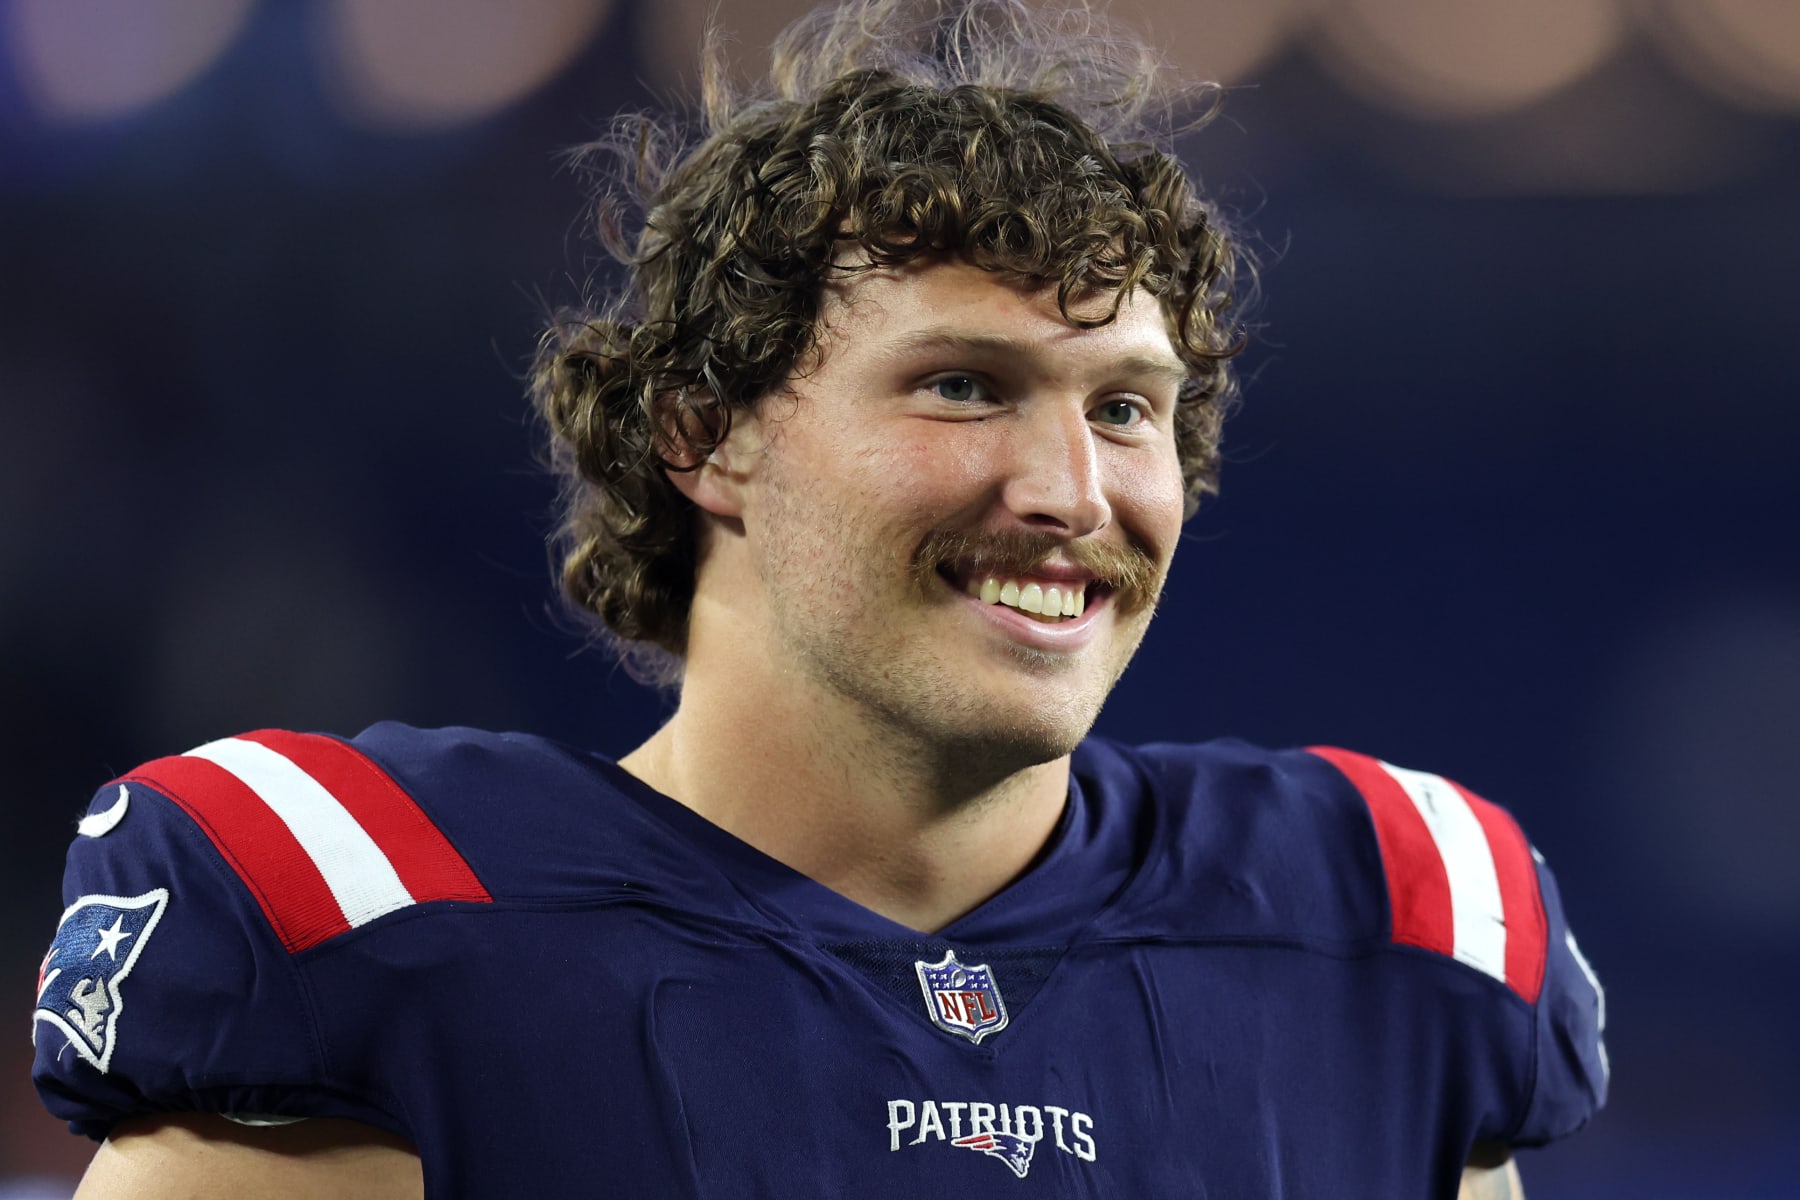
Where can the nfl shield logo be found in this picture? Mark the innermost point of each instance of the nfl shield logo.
(962, 998)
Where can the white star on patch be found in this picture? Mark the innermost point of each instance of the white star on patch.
(110, 939)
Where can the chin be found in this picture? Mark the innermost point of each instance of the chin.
(995, 750)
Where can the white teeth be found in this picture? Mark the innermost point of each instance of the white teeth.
(1053, 600)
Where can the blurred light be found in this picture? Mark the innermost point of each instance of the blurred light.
(1746, 50)
(1620, 130)
(1221, 40)
(94, 60)
(420, 64)
(673, 30)
(1463, 59)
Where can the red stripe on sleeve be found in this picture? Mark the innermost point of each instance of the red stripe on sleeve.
(257, 843)
(1418, 885)
(1527, 931)
(427, 864)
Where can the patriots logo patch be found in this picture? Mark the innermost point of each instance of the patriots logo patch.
(1009, 1148)
(80, 980)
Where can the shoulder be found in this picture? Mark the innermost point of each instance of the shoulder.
(1351, 854)
(203, 888)
(194, 884)
(1280, 847)
(1349, 848)
(326, 834)
(1464, 882)
(1461, 878)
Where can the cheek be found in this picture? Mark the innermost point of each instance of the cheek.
(1147, 500)
(917, 475)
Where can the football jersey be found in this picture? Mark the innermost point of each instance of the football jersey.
(1231, 972)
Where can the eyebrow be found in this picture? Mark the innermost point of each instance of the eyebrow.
(1165, 368)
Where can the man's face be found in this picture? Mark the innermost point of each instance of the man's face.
(957, 455)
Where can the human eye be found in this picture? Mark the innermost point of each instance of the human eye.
(960, 389)
(1119, 413)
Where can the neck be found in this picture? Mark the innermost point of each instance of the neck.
(913, 832)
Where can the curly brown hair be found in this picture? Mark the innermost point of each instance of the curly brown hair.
(1019, 141)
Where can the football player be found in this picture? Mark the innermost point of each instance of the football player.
(880, 459)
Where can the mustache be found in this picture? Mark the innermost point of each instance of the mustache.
(1129, 571)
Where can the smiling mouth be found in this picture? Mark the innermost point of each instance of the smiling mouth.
(1049, 601)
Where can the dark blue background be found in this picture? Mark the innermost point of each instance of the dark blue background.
(1513, 496)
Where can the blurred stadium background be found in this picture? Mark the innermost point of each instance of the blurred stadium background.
(1514, 495)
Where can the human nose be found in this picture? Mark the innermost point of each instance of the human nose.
(1055, 482)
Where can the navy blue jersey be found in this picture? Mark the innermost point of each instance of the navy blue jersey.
(1232, 972)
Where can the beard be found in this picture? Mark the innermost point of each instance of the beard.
(888, 648)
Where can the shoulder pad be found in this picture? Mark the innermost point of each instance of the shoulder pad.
(1460, 876)
(320, 835)
(171, 983)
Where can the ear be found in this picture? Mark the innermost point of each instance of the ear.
(714, 483)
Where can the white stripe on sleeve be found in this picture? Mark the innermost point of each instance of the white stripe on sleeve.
(358, 873)
(1587, 973)
(1477, 915)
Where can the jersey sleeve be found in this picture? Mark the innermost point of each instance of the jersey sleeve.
(1571, 1064)
(177, 978)
(1464, 883)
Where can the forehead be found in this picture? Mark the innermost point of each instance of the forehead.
(950, 304)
